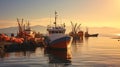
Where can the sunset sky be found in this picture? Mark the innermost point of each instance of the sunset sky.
(92, 13)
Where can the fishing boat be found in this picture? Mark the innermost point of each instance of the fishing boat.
(57, 36)
(24, 30)
(76, 32)
(90, 35)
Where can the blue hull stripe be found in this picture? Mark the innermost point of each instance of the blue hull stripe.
(61, 40)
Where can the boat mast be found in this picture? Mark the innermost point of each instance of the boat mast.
(86, 30)
(55, 18)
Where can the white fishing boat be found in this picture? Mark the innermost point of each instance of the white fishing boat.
(57, 36)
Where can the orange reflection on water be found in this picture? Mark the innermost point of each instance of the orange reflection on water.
(63, 54)
(59, 58)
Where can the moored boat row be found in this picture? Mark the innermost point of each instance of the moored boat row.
(56, 37)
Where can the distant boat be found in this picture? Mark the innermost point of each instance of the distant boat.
(90, 35)
(24, 31)
(57, 37)
(76, 33)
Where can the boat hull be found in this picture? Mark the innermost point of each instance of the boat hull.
(91, 35)
(63, 42)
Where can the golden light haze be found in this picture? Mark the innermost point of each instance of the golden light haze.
(91, 13)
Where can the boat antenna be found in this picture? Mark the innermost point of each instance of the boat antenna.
(87, 29)
(55, 18)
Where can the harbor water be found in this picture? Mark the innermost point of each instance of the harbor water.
(89, 52)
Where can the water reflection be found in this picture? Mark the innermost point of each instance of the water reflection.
(18, 54)
(91, 52)
(2, 53)
(86, 40)
(78, 40)
(59, 58)
(77, 44)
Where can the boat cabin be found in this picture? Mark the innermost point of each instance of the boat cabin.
(56, 30)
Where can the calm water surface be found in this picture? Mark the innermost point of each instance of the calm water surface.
(89, 52)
